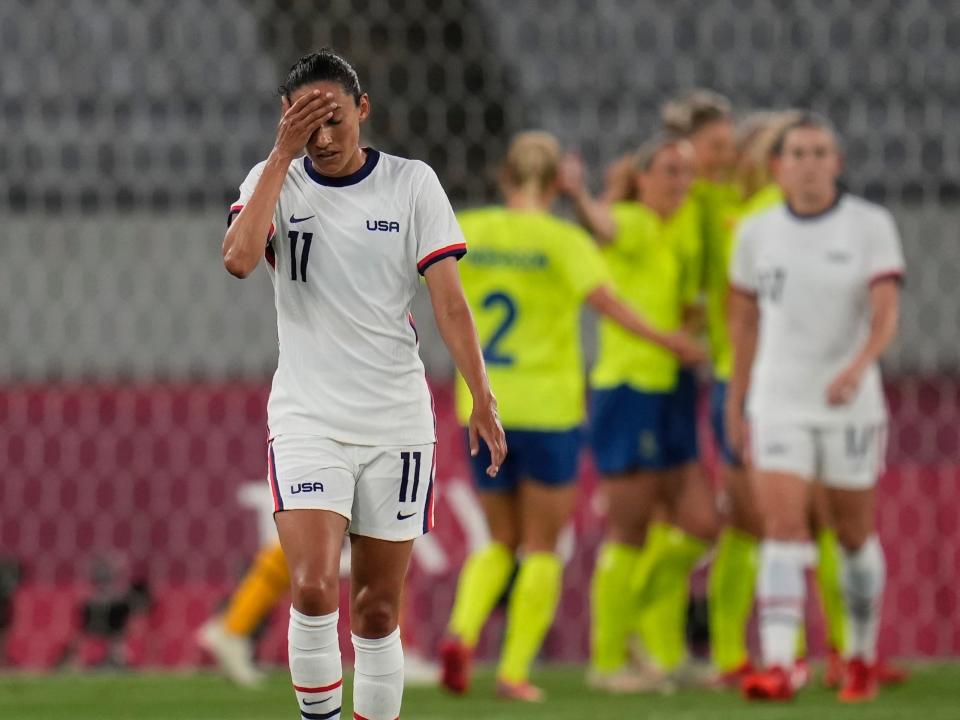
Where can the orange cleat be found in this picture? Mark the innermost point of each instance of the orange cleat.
(833, 675)
(771, 684)
(522, 691)
(888, 675)
(456, 660)
(859, 682)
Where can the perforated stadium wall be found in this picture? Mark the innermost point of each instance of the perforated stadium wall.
(134, 369)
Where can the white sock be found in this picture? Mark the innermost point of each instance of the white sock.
(314, 653)
(864, 575)
(378, 677)
(781, 590)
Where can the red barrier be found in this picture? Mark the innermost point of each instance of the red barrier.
(147, 480)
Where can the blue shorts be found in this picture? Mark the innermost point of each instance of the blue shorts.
(633, 430)
(718, 423)
(548, 457)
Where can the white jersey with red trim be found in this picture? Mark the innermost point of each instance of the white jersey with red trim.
(812, 278)
(345, 256)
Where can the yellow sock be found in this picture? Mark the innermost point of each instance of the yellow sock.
(611, 605)
(265, 582)
(830, 585)
(664, 618)
(657, 539)
(730, 592)
(530, 614)
(482, 581)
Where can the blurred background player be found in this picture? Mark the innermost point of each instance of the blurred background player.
(815, 303)
(353, 434)
(639, 442)
(526, 277)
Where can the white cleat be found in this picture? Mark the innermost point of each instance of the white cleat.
(233, 653)
(419, 672)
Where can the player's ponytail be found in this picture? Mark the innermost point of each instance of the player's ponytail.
(532, 162)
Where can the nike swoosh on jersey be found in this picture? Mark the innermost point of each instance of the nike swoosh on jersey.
(401, 516)
(295, 219)
(318, 702)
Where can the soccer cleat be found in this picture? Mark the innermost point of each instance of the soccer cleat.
(800, 674)
(731, 679)
(631, 681)
(859, 682)
(522, 691)
(833, 676)
(455, 661)
(771, 684)
(888, 675)
(233, 653)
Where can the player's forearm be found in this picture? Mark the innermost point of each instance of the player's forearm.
(606, 303)
(595, 216)
(743, 325)
(244, 241)
(455, 323)
(883, 327)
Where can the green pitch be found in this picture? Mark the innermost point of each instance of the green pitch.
(933, 693)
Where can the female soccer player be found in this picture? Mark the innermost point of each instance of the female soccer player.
(526, 277)
(815, 303)
(347, 232)
(640, 445)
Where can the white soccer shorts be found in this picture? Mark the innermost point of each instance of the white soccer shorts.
(384, 492)
(847, 458)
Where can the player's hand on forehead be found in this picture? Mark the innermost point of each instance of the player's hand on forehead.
(301, 118)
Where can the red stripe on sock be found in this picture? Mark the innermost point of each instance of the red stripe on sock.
(325, 688)
(358, 716)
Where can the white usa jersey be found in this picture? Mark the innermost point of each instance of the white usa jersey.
(812, 277)
(345, 256)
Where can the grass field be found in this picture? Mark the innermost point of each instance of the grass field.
(933, 693)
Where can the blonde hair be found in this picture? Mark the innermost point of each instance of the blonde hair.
(691, 111)
(757, 137)
(532, 161)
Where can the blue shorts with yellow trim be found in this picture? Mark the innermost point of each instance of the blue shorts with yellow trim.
(634, 430)
(548, 457)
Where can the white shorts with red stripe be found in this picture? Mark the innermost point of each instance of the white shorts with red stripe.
(384, 492)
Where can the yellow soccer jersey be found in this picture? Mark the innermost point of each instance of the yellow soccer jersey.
(722, 246)
(526, 278)
(648, 273)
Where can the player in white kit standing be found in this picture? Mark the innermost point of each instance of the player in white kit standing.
(347, 231)
(815, 301)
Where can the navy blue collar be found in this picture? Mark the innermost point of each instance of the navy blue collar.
(817, 215)
(373, 157)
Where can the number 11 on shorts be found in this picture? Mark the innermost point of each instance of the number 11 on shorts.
(405, 480)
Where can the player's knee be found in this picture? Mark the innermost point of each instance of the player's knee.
(852, 533)
(315, 594)
(785, 527)
(373, 616)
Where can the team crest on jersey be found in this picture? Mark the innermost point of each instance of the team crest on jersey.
(383, 226)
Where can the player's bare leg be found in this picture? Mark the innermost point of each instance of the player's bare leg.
(783, 499)
(544, 511)
(483, 579)
(378, 568)
(311, 541)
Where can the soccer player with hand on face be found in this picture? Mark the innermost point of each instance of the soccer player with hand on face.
(347, 232)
